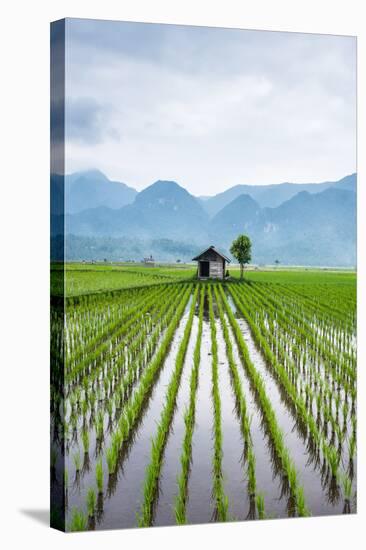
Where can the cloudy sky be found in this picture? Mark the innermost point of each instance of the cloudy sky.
(208, 108)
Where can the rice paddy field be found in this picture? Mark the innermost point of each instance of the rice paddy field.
(180, 402)
(78, 279)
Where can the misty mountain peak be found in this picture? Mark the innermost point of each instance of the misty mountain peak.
(163, 188)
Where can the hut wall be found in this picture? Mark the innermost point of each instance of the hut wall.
(210, 256)
(217, 269)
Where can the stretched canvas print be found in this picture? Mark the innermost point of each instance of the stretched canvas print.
(203, 275)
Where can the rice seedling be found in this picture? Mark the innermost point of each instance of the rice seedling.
(302, 509)
(332, 458)
(78, 521)
(99, 476)
(85, 440)
(352, 446)
(91, 500)
(252, 481)
(346, 487)
(111, 457)
(99, 426)
(77, 462)
(259, 499)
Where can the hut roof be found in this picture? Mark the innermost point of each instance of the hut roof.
(198, 257)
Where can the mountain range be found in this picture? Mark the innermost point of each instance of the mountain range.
(89, 189)
(272, 195)
(299, 224)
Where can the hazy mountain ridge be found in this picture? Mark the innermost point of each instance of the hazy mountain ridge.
(162, 210)
(313, 229)
(272, 195)
(89, 189)
(307, 229)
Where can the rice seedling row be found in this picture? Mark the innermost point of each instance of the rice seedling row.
(159, 442)
(241, 404)
(220, 498)
(189, 421)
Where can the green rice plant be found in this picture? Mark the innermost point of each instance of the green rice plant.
(354, 425)
(346, 487)
(74, 422)
(340, 434)
(99, 426)
(79, 521)
(109, 407)
(85, 440)
(77, 396)
(259, 500)
(91, 500)
(333, 459)
(291, 474)
(99, 476)
(111, 457)
(180, 515)
(84, 408)
(77, 462)
(252, 483)
(92, 400)
(302, 509)
(352, 446)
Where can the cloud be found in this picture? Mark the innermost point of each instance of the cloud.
(87, 121)
(209, 108)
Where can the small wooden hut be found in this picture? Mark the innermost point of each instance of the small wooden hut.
(211, 264)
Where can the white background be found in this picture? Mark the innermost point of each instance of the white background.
(24, 287)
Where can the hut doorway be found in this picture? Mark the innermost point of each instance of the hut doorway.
(204, 269)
